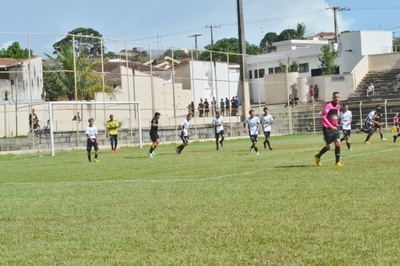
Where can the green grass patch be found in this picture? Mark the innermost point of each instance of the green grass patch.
(203, 207)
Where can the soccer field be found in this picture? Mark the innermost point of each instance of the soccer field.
(204, 207)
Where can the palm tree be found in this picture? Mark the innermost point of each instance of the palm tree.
(301, 30)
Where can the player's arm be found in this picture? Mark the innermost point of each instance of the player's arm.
(154, 125)
(181, 128)
(259, 127)
(245, 127)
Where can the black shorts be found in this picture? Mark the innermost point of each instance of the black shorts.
(369, 126)
(253, 138)
(221, 133)
(330, 136)
(267, 134)
(90, 144)
(114, 136)
(185, 139)
(346, 132)
(154, 136)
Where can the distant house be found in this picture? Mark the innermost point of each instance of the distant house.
(21, 80)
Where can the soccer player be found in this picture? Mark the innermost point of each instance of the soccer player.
(345, 118)
(112, 129)
(371, 123)
(154, 134)
(184, 128)
(266, 122)
(253, 124)
(330, 116)
(91, 133)
(218, 125)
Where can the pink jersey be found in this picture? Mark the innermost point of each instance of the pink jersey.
(330, 115)
(395, 119)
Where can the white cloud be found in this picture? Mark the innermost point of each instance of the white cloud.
(6, 44)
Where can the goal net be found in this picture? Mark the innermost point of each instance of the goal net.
(68, 122)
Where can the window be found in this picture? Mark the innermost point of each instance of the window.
(256, 74)
(271, 70)
(261, 73)
(277, 70)
(250, 74)
(304, 68)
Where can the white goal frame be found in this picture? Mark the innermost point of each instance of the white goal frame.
(51, 104)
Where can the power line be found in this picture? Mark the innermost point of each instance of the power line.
(211, 29)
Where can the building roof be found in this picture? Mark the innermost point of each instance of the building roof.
(11, 62)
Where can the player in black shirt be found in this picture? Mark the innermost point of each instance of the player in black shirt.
(154, 134)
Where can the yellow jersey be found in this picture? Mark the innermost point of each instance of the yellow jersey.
(112, 127)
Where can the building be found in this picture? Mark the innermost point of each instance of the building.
(352, 48)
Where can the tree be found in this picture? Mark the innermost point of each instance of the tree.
(231, 46)
(87, 42)
(293, 66)
(287, 34)
(52, 84)
(301, 30)
(327, 59)
(266, 42)
(15, 51)
(178, 54)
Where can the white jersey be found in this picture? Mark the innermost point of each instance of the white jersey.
(252, 125)
(371, 116)
(185, 125)
(91, 131)
(218, 123)
(345, 118)
(266, 121)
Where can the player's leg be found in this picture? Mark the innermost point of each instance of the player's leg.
(89, 149)
(96, 152)
(217, 140)
(267, 135)
(337, 151)
(115, 142)
(112, 142)
(328, 140)
(222, 139)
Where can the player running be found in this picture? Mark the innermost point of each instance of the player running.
(330, 130)
(154, 134)
(266, 122)
(253, 124)
(184, 128)
(91, 133)
(218, 125)
(372, 124)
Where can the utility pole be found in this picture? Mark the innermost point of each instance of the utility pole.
(335, 10)
(242, 62)
(195, 43)
(211, 29)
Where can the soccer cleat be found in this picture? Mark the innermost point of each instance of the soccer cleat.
(270, 149)
(257, 153)
(317, 160)
(217, 149)
(339, 164)
(150, 154)
(350, 149)
(96, 161)
(265, 145)
(177, 151)
(394, 139)
(251, 150)
(383, 139)
(153, 153)
(222, 144)
(367, 142)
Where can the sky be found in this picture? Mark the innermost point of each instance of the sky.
(169, 23)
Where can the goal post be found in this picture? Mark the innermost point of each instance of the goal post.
(134, 117)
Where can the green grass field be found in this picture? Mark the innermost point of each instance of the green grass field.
(204, 207)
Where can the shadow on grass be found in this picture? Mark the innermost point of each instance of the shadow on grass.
(293, 166)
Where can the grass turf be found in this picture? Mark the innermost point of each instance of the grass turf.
(203, 207)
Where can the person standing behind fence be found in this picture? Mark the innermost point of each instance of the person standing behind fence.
(330, 116)
(32, 119)
(222, 106)
(112, 129)
(233, 106)
(312, 93)
(91, 133)
(227, 106)
(206, 107)
(200, 108)
(316, 92)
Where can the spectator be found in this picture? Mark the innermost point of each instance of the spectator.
(192, 108)
(32, 119)
(222, 106)
(312, 93)
(206, 107)
(370, 89)
(213, 106)
(316, 92)
(233, 106)
(200, 108)
(227, 105)
(296, 100)
(46, 128)
(237, 101)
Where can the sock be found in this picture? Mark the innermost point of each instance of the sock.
(398, 135)
(348, 145)
(89, 157)
(256, 149)
(367, 138)
(341, 139)
(95, 156)
(337, 154)
(151, 150)
(381, 135)
(323, 150)
(269, 146)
